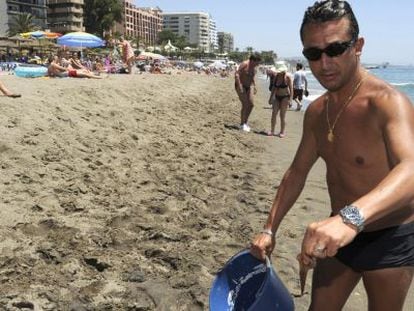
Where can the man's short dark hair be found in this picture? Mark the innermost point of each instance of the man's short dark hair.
(255, 57)
(299, 66)
(330, 10)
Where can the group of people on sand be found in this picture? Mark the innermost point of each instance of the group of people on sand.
(71, 68)
(283, 90)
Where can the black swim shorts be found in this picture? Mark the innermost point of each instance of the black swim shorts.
(298, 93)
(386, 248)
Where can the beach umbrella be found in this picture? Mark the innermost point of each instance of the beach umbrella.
(80, 39)
(41, 34)
(198, 64)
(218, 65)
(170, 47)
(149, 55)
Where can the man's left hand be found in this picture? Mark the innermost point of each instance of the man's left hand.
(323, 239)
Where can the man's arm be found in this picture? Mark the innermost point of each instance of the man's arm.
(306, 81)
(290, 188)
(290, 85)
(237, 76)
(254, 81)
(61, 68)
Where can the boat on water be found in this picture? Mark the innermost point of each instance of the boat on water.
(383, 65)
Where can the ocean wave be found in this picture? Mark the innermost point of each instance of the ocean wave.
(405, 84)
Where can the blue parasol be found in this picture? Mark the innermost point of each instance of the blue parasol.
(80, 39)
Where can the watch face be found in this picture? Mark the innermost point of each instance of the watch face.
(351, 215)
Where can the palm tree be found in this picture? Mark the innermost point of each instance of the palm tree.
(22, 23)
(249, 49)
(101, 15)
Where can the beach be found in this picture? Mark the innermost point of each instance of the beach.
(131, 192)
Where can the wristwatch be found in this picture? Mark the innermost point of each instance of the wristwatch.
(350, 214)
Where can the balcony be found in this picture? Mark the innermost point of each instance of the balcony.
(66, 10)
(80, 2)
(66, 28)
(68, 18)
(27, 4)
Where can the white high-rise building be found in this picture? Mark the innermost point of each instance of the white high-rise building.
(197, 27)
(213, 35)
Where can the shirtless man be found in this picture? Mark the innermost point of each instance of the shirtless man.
(56, 70)
(75, 63)
(244, 80)
(363, 129)
(128, 56)
(300, 86)
(7, 92)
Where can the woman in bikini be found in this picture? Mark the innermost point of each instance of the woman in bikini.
(280, 97)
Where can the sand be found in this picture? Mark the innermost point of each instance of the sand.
(130, 193)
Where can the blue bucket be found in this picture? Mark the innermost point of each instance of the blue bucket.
(245, 283)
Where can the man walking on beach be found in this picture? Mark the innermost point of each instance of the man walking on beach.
(300, 86)
(244, 81)
(363, 129)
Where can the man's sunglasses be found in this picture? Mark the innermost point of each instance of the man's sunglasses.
(332, 50)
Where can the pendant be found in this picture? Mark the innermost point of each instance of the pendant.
(331, 136)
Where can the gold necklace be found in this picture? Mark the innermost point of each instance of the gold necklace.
(331, 136)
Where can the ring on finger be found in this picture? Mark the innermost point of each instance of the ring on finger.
(319, 249)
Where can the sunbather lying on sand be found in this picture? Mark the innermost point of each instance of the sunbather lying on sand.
(6, 91)
(56, 70)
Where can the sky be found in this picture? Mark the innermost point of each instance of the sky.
(386, 25)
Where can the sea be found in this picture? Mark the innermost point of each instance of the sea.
(401, 77)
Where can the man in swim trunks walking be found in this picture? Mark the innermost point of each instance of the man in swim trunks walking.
(244, 81)
(300, 86)
(363, 129)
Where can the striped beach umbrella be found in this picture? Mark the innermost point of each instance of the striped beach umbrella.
(41, 34)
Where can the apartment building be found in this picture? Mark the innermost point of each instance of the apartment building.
(11, 8)
(142, 23)
(225, 42)
(197, 27)
(213, 35)
(65, 15)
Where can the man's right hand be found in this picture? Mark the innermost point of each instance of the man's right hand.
(262, 246)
